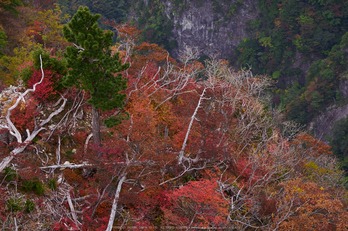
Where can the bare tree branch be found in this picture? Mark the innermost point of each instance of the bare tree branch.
(114, 203)
(30, 135)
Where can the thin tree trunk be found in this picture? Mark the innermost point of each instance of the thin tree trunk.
(114, 204)
(96, 126)
(193, 117)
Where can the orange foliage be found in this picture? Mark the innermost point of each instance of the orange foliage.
(126, 31)
(311, 146)
(312, 208)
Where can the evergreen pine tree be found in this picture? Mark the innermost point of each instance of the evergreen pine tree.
(92, 67)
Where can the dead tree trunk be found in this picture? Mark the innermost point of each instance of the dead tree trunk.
(114, 204)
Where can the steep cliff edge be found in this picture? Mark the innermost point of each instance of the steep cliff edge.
(200, 25)
(323, 123)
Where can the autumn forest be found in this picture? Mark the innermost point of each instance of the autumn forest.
(102, 130)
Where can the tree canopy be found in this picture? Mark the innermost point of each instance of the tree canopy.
(93, 66)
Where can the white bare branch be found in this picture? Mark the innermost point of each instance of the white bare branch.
(72, 209)
(114, 203)
(67, 165)
(193, 117)
(87, 141)
(30, 135)
(12, 128)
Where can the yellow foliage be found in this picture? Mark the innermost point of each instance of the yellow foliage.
(11, 65)
(311, 165)
(298, 190)
(277, 23)
(4, 3)
(52, 34)
(266, 41)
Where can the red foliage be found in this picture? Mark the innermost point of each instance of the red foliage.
(23, 116)
(47, 89)
(72, 176)
(147, 205)
(107, 154)
(268, 206)
(3, 195)
(103, 209)
(80, 137)
(64, 225)
(30, 169)
(200, 202)
(251, 171)
(25, 65)
(244, 168)
(40, 203)
(35, 32)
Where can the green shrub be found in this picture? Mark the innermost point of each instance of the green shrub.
(10, 174)
(187, 178)
(276, 75)
(29, 206)
(14, 204)
(35, 186)
(68, 154)
(52, 184)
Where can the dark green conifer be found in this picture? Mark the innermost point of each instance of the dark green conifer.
(92, 66)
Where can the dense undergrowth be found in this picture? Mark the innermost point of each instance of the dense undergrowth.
(200, 148)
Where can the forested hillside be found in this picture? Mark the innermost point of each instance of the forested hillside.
(104, 135)
(303, 46)
(300, 44)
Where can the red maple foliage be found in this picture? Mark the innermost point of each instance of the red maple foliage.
(198, 203)
(48, 88)
(23, 116)
(35, 32)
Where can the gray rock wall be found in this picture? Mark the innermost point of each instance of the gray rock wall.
(323, 123)
(203, 28)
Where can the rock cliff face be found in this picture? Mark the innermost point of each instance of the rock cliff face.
(199, 25)
(324, 122)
